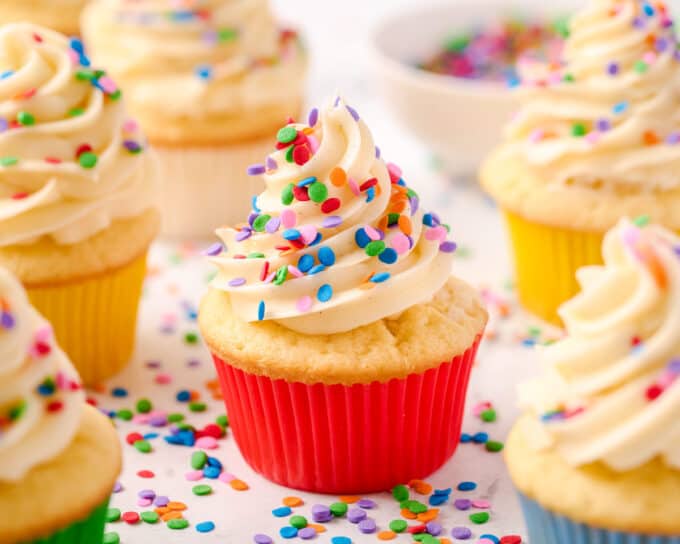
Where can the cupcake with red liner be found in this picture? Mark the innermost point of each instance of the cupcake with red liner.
(341, 341)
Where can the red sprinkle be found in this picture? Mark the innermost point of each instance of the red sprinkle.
(83, 148)
(301, 155)
(19, 196)
(654, 392)
(265, 271)
(146, 474)
(301, 193)
(133, 437)
(42, 348)
(368, 184)
(330, 205)
(37, 37)
(511, 539)
(55, 406)
(53, 160)
(130, 517)
(417, 529)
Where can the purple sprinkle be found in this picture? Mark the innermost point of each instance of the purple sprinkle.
(638, 23)
(252, 217)
(331, 221)
(613, 68)
(147, 494)
(237, 282)
(436, 220)
(262, 539)
(7, 320)
(677, 250)
(662, 45)
(353, 113)
(367, 526)
(271, 164)
(462, 504)
(158, 421)
(118, 487)
(193, 363)
(448, 247)
(674, 366)
(377, 152)
(153, 364)
(273, 225)
(243, 235)
(256, 170)
(132, 146)
(673, 139)
(461, 533)
(355, 515)
(337, 101)
(4, 125)
(414, 203)
(603, 125)
(213, 250)
(313, 117)
(434, 528)
(366, 504)
(411, 242)
(307, 533)
(676, 55)
(161, 500)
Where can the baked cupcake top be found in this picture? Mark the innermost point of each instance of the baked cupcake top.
(71, 162)
(60, 15)
(610, 391)
(41, 399)
(337, 239)
(201, 60)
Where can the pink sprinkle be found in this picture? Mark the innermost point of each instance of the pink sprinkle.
(270, 278)
(372, 233)
(141, 419)
(130, 126)
(163, 379)
(313, 144)
(536, 135)
(667, 379)
(593, 137)
(295, 271)
(75, 58)
(394, 170)
(354, 187)
(481, 504)
(288, 218)
(304, 304)
(649, 57)
(308, 233)
(226, 477)
(107, 84)
(144, 502)
(207, 443)
(481, 407)
(44, 334)
(436, 233)
(400, 244)
(194, 475)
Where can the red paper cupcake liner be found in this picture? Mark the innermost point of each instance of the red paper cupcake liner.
(341, 439)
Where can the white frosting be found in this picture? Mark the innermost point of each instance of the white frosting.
(36, 424)
(614, 379)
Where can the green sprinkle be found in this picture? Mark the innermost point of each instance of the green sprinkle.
(75, 112)
(286, 135)
(457, 44)
(260, 222)
(85, 75)
(144, 406)
(400, 493)
(398, 525)
(578, 130)
(222, 421)
(374, 248)
(281, 275)
(175, 418)
(197, 406)
(416, 507)
(199, 459)
(178, 524)
(112, 515)
(111, 538)
(392, 218)
(255, 255)
(641, 67)
(287, 195)
(534, 332)
(191, 337)
(289, 153)
(227, 34)
(568, 78)
(8, 161)
(202, 490)
(561, 26)
(338, 509)
(88, 160)
(149, 517)
(125, 415)
(479, 517)
(318, 192)
(143, 446)
(494, 446)
(642, 221)
(25, 118)
(299, 522)
(488, 416)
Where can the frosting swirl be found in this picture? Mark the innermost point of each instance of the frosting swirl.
(336, 240)
(611, 391)
(609, 114)
(70, 162)
(40, 397)
(219, 57)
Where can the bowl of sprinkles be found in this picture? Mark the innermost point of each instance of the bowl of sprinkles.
(447, 71)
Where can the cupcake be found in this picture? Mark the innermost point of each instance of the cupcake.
(209, 83)
(336, 328)
(52, 444)
(60, 15)
(77, 193)
(597, 138)
(596, 458)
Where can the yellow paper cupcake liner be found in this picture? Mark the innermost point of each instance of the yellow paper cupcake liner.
(546, 261)
(95, 320)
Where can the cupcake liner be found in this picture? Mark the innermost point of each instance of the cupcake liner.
(205, 188)
(88, 531)
(546, 527)
(341, 439)
(546, 261)
(95, 319)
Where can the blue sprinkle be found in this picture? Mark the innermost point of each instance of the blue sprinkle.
(288, 532)
(205, 527)
(183, 396)
(467, 486)
(77, 45)
(260, 310)
(361, 238)
(316, 269)
(428, 220)
(254, 203)
(620, 108)
(305, 263)
(325, 293)
(307, 181)
(6, 74)
(446, 491)
(204, 72)
(648, 9)
(341, 540)
(370, 194)
(84, 61)
(326, 256)
(492, 538)
(119, 392)
(465, 438)
(45, 389)
(214, 462)
(529, 342)
(388, 256)
(438, 500)
(150, 436)
(211, 472)
(282, 512)
(480, 438)
(291, 234)
(316, 240)
(381, 277)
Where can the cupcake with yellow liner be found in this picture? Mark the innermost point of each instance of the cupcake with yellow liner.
(597, 456)
(209, 82)
(337, 330)
(60, 15)
(596, 139)
(77, 193)
(49, 437)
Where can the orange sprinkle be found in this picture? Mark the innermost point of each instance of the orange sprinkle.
(171, 515)
(239, 485)
(399, 189)
(406, 513)
(338, 176)
(406, 227)
(162, 510)
(382, 224)
(318, 528)
(293, 501)
(176, 506)
(349, 499)
(430, 515)
(387, 535)
(444, 541)
(651, 138)
(195, 395)
(654, 264)
(399, 207)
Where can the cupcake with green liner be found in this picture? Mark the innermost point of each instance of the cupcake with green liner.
(337, 293)
(596, 457)
(596, 139)
(209, 81)
(49, 437)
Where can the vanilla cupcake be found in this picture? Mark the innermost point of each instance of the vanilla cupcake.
(596, 458)
(77, 192)
(336, 296)
(596, 139)
(52, 443)
(60, 15)
(209, 82)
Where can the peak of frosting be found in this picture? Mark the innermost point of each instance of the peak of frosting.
(611, 392)
(70, 160)
(40, 394)
(337, 239)
(608, 113)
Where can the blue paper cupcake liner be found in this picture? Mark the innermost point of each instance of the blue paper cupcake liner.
(547, 528)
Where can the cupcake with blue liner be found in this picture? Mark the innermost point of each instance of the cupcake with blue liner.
(596, 457)
(51, 442)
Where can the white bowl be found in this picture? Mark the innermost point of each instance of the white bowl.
(460, 120)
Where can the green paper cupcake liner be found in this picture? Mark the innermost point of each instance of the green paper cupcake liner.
(88, 531)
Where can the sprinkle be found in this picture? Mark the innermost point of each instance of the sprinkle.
(479, 518)
(260, 311)
(313, 117)
(256, 170)
(287, 135)
(326, 256)
(213, 250)
(325, 293)
(318, 192)
(613, 68)
(25, 119)
(353, 113)
(288, 218)
(338, 177)
(330, 205)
